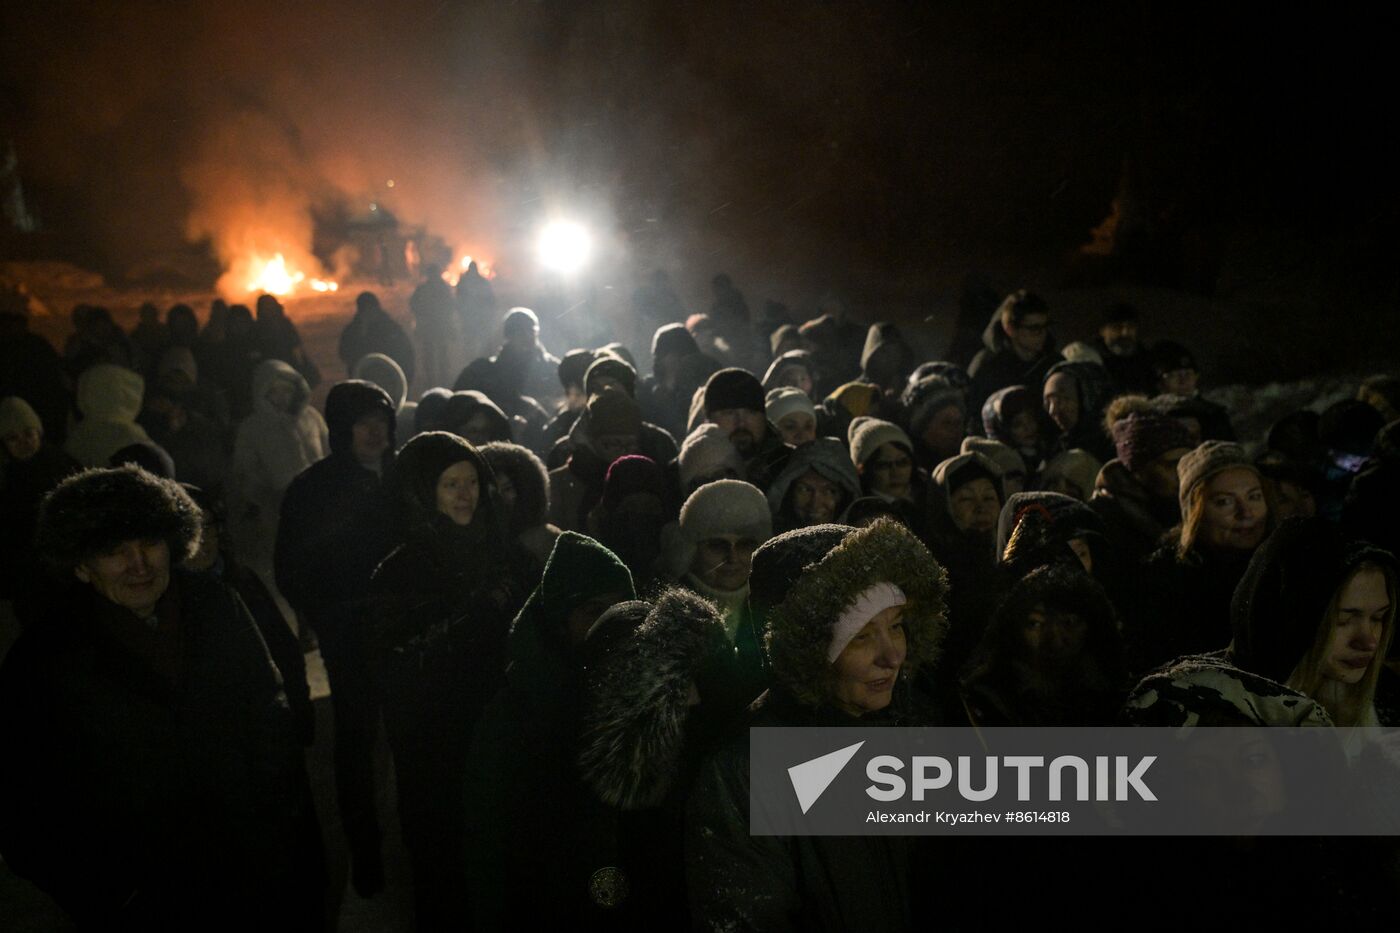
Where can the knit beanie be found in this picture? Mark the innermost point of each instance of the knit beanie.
(629, 475)
(726, 507)
(784, 335)
(857, 398)
(1210, 458)
(706, 451)
(519, 321)
(612, 367)
(574, 367)
(928, 397)
(867, 435)
(785, 400)
(579, 569)
(1077, 466)
(613, 412)
(799, 358)
(733, 388)
(673, 339)
(1142, 437)
(1007, 460)
(17, 416)
(1168, 357)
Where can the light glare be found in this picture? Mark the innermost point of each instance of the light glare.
(564, 246)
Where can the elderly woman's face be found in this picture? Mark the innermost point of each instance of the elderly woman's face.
(134, 574)
(867, 668)
(975, 505)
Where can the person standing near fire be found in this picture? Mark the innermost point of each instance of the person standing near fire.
(433, 312)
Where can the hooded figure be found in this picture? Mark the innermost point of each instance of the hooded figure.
(1072, 473)
(523, 484)
(640, 737)
(333, 532)
(29, 468)
(1012, 416)
(384, 372)
(440, 609)
(1289, 603)
(1051, 656)
(964, 501)
(1374, 495)
(815, 487)
(936, 411)
(1074, 396)
(1017, 348)
(153, 768)
(372, 330)
(524, 797)
(874, 603)
(282, 437)
(109, 399)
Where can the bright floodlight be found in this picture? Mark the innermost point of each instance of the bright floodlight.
(564, 246)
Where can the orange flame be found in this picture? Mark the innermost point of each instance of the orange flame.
(275, 277)
(454, 272)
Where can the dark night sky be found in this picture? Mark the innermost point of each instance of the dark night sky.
(873, 146)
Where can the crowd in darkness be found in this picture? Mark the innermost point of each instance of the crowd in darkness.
(564, 587)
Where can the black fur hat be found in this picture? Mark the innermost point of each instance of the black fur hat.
(94, 511)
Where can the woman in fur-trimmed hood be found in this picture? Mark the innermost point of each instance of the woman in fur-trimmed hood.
(801, 627)
(842, 608)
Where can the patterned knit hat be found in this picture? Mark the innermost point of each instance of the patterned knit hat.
(1205, 461)
(1142, 437)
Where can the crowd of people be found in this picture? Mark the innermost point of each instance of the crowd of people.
(565, 587)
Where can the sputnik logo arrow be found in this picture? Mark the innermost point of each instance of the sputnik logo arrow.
(811, 778)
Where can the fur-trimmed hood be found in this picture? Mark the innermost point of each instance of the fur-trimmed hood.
(799, 628)
(636, 702)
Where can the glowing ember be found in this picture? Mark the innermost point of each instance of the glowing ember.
(275, 277)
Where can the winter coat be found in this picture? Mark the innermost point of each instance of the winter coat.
(374, 331)
(1134, 522)
(741, 881)
(638, 753)
(1207, 690)
(23, 485)
(272, 447)
(1004, 686)
(970, 561)
(440, 607)
(138, 801)
(997, 366)
(526, 805)
(109, 398)
(1373, 501)
(1182, 605)
(335, 526)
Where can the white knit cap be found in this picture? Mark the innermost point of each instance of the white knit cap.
(870, 603)
(784, 400)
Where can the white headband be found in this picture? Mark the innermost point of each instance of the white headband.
(875, 600)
